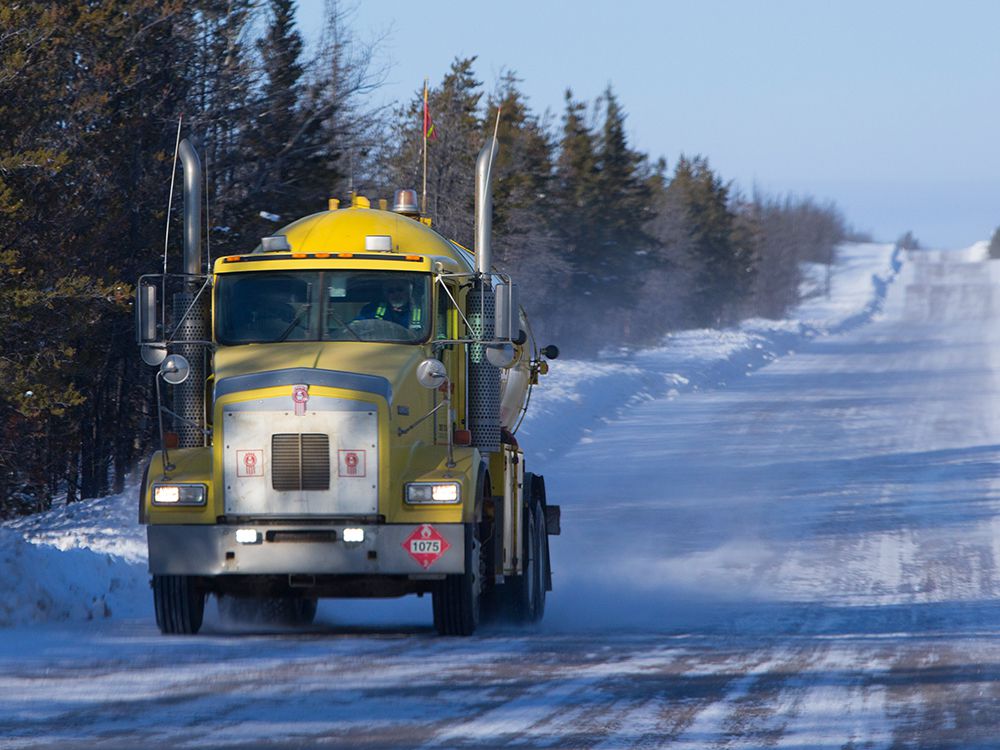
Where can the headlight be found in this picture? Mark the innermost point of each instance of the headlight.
(433, 492)
(179, 494)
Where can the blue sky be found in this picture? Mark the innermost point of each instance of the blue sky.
(888, 108)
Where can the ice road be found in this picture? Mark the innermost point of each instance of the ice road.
(807, 556)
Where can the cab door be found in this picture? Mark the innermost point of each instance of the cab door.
(447, 327)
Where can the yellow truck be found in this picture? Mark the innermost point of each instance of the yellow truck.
(337, 414)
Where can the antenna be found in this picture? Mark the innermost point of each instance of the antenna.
(423, 149)
(170, 196)
(496, 129)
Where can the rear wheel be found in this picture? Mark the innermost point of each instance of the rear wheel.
(542, 564)
(179, 604)
(457, 598)
(527, 592)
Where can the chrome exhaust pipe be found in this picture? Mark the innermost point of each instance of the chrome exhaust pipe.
(484, 378)
(191, 312)
(484, 206)
(192, 207)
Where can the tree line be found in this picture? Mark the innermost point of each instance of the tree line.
(610, 246)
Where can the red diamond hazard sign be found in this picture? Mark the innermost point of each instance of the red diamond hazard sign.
(425, 545)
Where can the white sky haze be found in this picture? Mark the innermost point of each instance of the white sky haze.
(888, 108)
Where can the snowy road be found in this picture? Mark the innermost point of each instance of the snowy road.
(808, 557)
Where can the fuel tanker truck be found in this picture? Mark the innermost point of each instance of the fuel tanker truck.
(336, 412)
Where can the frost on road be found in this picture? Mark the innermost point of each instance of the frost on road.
(805, 557)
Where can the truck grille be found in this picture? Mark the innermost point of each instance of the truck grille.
(300, 462)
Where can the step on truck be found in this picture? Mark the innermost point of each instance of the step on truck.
(337, 410)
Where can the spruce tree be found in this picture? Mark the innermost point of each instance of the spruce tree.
(724, 259)
(451, 154)
(525, 243)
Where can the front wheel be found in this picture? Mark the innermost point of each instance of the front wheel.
(457, 598)
(179, 605)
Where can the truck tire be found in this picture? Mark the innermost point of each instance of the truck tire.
(457, 598)
(542, 566)
(179, 605)
(526, 595)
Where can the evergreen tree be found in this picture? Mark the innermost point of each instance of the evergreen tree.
(524, 242)
(725, 260)
(79, 84)
(995, 244)
(578, 190)
(451, 155)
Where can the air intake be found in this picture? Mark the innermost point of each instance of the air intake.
(300, 462)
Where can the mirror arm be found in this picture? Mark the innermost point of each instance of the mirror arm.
(446, 403)
(160, 408)
(403, 430)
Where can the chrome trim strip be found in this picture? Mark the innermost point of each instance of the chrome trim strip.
(351, 381)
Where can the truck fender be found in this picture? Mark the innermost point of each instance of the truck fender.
(142, 493)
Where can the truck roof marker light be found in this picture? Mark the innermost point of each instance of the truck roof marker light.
(322, 255)
(277, 243)
(378, 243)
(415, 257)
(345, 255)
(233, 258)
(299, 255)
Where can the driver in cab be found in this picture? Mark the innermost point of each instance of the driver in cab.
(396, 306)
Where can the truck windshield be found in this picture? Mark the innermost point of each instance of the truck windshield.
(261, 307)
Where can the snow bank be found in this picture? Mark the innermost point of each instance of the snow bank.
(81, 561)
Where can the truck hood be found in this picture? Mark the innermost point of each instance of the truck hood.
(394, 362)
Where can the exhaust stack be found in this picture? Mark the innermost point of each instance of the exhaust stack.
(484, 378)
(484, 206)
(191, 311)
(192, 207)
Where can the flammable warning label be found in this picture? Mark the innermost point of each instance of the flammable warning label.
(426, 545)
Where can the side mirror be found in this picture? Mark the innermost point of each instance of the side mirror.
(431, 373)
(550, 352)
(146, 313)
(506, 324)
(175, 369)
(152, 349)
(500, 355)
(153, 354)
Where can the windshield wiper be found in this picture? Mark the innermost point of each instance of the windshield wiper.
(295, 321)
(341, 323)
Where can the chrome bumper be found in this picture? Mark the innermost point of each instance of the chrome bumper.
(299, 549)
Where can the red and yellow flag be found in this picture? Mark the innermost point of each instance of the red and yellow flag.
(429, 134)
